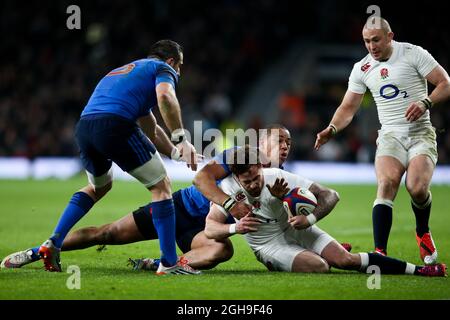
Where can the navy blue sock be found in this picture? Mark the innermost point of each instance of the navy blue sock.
(163, 215)
(78, 206)
(382, 222)
(422, 213)
(387, 265)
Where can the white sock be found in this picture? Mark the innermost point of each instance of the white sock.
(410, 268)
(364, 260)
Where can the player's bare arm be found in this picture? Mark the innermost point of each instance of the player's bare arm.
(216, 228)
(148, 125)
(158, 136)
(341, 119)
(205, 181)
(171, 114)
(439, 78)
(326, 201)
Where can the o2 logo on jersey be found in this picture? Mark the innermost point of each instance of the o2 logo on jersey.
(390, 91)
(122, 70)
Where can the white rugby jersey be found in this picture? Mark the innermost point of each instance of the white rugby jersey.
(266, 207)
(395, 84)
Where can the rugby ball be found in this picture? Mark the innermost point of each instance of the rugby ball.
(299, 201)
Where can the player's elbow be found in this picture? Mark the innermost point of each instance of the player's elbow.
(332, 197)
(208, 232)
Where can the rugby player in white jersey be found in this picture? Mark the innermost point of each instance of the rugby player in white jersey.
(290, 244)
(396, 74)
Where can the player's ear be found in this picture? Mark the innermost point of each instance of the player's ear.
(170, 62)
(390, 35)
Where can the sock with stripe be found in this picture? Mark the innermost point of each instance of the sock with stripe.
(382, 222)
(387, 265)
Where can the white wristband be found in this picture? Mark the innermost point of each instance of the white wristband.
(175, 154)
(178, 136)
(312, 219)
(232, 228)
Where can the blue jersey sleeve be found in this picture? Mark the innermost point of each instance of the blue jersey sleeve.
(166, 73)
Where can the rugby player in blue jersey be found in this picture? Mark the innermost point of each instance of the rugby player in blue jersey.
(117, 125)
(191, 209)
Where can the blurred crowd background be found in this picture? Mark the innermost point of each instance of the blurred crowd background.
(48, 72)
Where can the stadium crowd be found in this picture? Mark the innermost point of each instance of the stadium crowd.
(47, 72)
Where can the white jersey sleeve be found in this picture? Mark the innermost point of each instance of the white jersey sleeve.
(355, 82)
(423, 61)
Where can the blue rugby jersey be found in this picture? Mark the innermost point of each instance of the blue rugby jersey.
(130, 91)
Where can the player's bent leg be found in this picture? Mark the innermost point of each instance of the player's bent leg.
(207, 253)
(122, 231)
(418, 178)
(337, 256)
(308, 261)
(389, 171)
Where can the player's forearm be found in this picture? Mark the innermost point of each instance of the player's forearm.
(216, 230)
(148, 125)
(441, 93)
(170, 111)
(342, 117)
(206, 184)
(162, 142)
(326, 201)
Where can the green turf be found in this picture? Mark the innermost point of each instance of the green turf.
(29, 211)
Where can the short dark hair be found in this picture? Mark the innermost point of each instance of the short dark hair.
(267, 131)
(166, 49)
(243, 159)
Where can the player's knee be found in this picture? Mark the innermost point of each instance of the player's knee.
(99, 192)
(312, 265)
(322, 266)
(224, 251)
(162, 190)
(105, 235)
(418, 191)
(388, 185)
(343, 261)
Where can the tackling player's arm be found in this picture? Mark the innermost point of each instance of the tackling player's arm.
(439, 78)
(326, 201)
(171, 114)
(341, 118)
(216, 228)
(205, 182)
(148, 125)
(158, 136)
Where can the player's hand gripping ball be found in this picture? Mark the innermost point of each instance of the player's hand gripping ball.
(299, 201)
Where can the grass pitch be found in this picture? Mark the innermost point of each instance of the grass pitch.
(29, 211)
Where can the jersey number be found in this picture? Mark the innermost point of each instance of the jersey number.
(389, 94)
(122, 70)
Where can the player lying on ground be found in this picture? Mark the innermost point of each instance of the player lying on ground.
(290, 244)
(191, 208)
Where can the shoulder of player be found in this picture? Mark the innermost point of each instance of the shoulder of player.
(362, 65)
